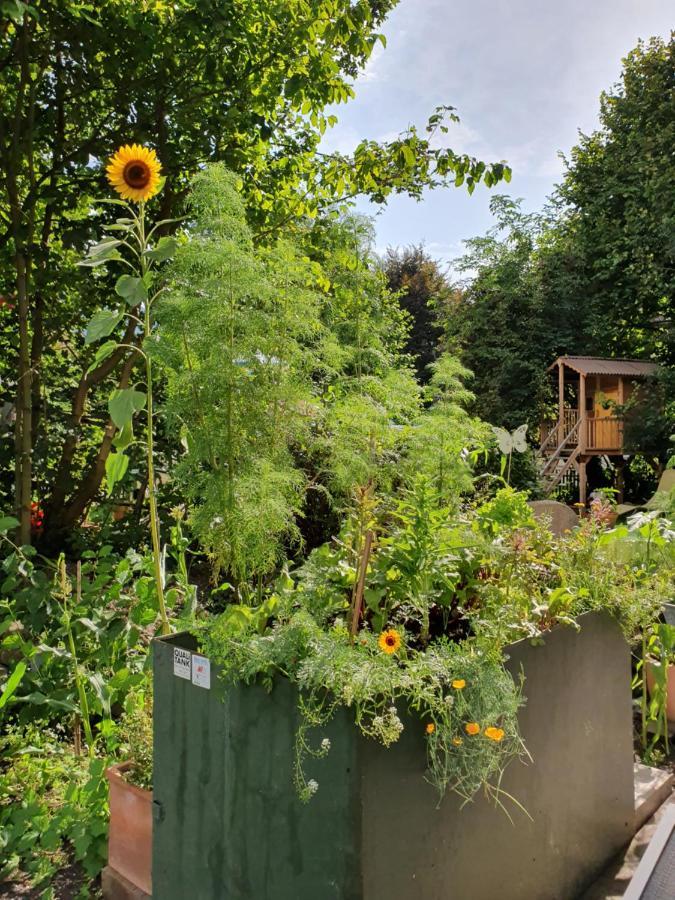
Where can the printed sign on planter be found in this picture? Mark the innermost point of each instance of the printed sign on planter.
(201, 671)
(182, 663)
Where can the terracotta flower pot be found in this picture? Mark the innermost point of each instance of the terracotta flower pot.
(670, 688)
(130, 833)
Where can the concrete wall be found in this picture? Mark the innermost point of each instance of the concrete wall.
(577, 726)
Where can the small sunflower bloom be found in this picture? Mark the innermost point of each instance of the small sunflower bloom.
(389, 641)
(472, 728)
(459, 684)
(134, 172)
(495, 734)
(430, 728)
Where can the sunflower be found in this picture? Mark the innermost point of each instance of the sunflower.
(495, 734)
(389, 641)
(134, 172)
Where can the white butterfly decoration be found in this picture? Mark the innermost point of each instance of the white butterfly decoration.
(510, 441)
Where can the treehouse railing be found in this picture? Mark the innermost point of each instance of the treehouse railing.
(604, 433)
(553, 434)
(601, 433)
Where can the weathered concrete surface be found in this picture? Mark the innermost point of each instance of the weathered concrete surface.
(652, 788)
(577, 725)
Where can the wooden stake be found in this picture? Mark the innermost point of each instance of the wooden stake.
(360, 584)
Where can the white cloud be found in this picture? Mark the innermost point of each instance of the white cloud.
(524, 77)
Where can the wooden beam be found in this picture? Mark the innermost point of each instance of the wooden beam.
(582, 413)
(582, 481)
(561, 402)
(620, 478)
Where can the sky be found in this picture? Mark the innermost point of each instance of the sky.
(524, 76)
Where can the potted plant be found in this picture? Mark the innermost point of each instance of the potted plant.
(130, 799)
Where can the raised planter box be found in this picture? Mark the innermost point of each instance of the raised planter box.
(229, 825)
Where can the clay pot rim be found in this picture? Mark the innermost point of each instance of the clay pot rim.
(116, 773)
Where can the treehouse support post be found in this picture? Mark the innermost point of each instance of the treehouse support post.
(582, 414)
(582, 481)
(561, 401)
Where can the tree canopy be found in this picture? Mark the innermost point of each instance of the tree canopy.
(593, 273)
(246, 83)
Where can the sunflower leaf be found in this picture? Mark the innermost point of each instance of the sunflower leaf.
(165, 249)
(123, 404)
(125, 437)
(116, 466)
(102, 252)
(101, 325)
(102, 353)
(132, 289)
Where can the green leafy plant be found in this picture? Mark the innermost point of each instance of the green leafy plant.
(53, 804)
(134, 737)
(658, 655)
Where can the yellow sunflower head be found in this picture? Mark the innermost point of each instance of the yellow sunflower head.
(134, 172)
(389, 641)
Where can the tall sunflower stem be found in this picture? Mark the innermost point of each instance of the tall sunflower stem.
(152, 494)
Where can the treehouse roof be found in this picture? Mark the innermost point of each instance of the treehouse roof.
(596, 365)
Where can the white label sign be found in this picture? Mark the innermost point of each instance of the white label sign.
(181, 662)
(201, 671)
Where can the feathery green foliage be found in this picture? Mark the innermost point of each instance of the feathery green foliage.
(237, 328)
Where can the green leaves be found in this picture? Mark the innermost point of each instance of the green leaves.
(165, 249)
(15, 10)
(116, 466)
(103, 352)
(8, 523)
(102, 324)
(125, 437)
(12, 682)
(123, 404)
(132, 289)
(103, 252)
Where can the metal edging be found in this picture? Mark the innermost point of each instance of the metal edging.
(652, 855)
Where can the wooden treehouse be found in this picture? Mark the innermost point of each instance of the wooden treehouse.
(589, 390)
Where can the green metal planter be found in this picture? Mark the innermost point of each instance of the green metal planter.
(228, 824)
